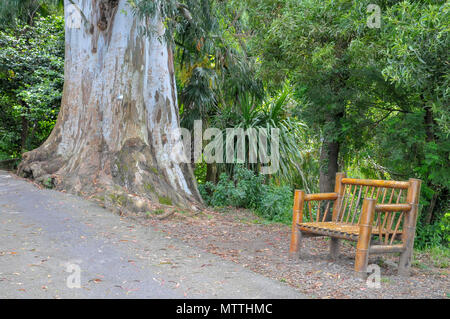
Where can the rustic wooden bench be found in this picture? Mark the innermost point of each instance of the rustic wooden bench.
(379, 215)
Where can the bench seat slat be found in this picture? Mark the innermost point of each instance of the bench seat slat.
(350, 229)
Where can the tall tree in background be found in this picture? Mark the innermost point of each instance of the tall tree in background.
(309, 42)
(415, 45)
(378, 95)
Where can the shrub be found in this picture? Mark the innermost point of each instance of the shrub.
(437, 234)
(275, 203)
(247, 190)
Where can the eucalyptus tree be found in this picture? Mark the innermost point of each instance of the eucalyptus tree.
(120, 94)
(119, 105)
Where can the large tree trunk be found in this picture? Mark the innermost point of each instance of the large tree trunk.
(430, 137)
(329, 155)
(211, 173)
(24, 133)
(118, 110)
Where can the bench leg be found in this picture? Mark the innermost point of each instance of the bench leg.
(361, 261)
(296, 235)
(296, 242)
(365, 230)
(408, 241)
(405, 260)
(404, 263)
(334, 247)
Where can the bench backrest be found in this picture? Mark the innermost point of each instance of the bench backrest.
(351, 193)
(347, 207)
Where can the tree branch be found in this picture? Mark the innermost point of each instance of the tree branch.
(86, 21)
(184, 10)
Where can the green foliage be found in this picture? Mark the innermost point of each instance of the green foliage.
(381, 94)
(433, 235)
(320, 46)
(445, 228)
(31, 81)
(26, 11)
(242, 191)
(164, 200)
(276, 203)
(273, 112)
(440, 256)
(200, 172)
(246, 190)
(418, 59)
(428, 236)
(414, 43)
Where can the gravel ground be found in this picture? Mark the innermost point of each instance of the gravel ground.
(243, 238)
(45, 235)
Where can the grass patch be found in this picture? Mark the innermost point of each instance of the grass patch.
(118, 199)
(154, 212)
(48, 183)
(149, 187)
(440, 257)
(437, 257)
(165, 200)
(419, 264)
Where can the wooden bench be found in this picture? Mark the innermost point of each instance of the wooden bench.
(379, 215)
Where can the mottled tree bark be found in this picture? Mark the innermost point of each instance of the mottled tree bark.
(118, 110)
(329, 166)
(211, 173)
(329, 155)
(430, 137)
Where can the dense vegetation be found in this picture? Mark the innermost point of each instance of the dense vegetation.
(373, 102)
(31, 82)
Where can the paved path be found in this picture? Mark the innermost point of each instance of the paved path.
(43, 232)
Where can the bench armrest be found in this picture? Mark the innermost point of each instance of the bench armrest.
(393, 207)
(300, 198)
(321, 196)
